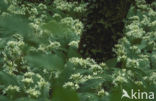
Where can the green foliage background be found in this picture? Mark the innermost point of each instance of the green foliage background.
(39, 58)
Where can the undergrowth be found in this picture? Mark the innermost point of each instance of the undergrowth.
(39, 58)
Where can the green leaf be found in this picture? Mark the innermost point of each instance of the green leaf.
(61, 94)
(116, 94)
(153, 60)
(7, 79)
(56, 28)
(111, 62)
(4, 98)
(73, 52)
(143, 44)
(88, 97)
(138, 71)
(3, 5)
(2, 42)
(49, 61)
(91, 85)
(61, 32)
(25, 99)
(13, 24)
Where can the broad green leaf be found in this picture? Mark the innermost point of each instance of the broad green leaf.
(73, 52)
(88, 97)
(116, 94)
(153, 60)
(50, 61)
(111, 62)
(61, 32)
(2, 42)
(56, 28)
(4, 98)
(91, 85)
(143, 44)
(7, 79)
(3, 5)
(13, 24)
(61, 94)
(25, 99)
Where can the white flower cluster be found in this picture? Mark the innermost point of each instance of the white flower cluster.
(71, 85)
(152, 78)
(13, 56)
(75, 25)
(48, 48)
(30, 83)
(74, 44)
(33, 92)
(63, 5)
(11, 89)
(91, 71)
(81, 8)
(102, 92)
(70, 6)
(139, 42)
(80, 62)
(120, 77)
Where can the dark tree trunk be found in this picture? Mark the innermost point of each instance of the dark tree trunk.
(149, 1)
(103, 27)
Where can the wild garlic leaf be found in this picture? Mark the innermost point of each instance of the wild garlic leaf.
(60, 32)
(111, 62)
(91, 85)
(153, 60)
(3, 5)
(7, 79)
(49, 61)
(88, 96)
(11, 24)
(73, 52)
(4, 98)
(61, 94)
(25, 99)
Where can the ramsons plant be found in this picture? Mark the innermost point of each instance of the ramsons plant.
(137, 48)
(34, 55)
(39, 58)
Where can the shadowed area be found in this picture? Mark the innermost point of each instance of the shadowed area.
(103, 27)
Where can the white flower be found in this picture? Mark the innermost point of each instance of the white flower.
(29, 74)
(120, 77)
(76, 77)
(11, 88)
(69, 84)
(74, 44)
(42, 83)
(42, 6)
(34, 11)
(132, 63)
(84, 63)
(152, 78)
(139, 83)
(33, 92)
(53, 45)
(95, 67)
(28, 80)
(101, 92)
